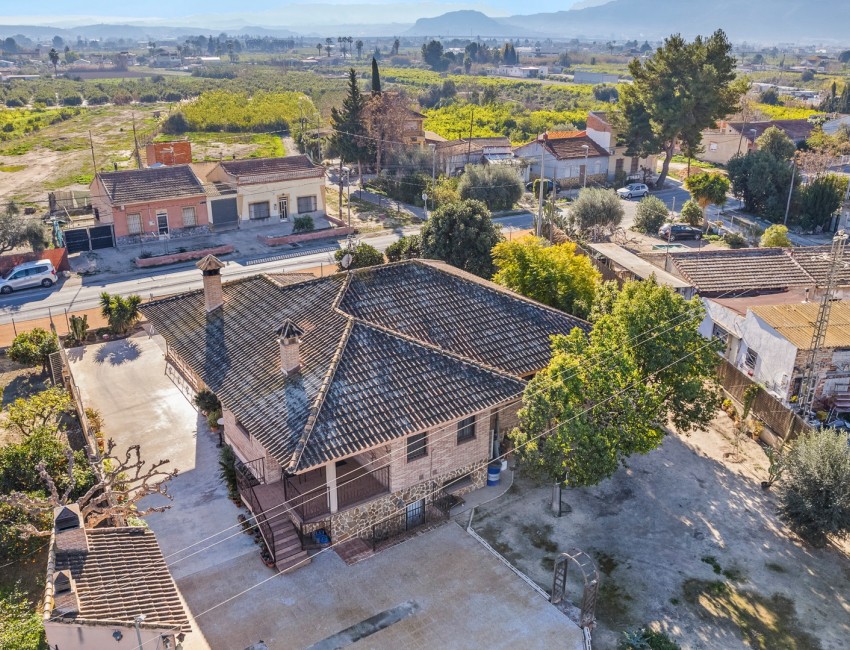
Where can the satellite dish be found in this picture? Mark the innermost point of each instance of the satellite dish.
(346, 260)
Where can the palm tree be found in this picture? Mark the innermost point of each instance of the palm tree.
(319, 47)
(359, 46)
(121, 313)
(329, 44)
(53, 55)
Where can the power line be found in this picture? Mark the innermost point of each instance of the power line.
(284, 505)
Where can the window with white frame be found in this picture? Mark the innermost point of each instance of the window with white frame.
(306, 204)
(259, 210)
(134, 224)
(751, 359)
(189, 217)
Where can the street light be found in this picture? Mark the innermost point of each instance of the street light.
(433, 175)
(586, 151)
(348, 186)
(753, 131)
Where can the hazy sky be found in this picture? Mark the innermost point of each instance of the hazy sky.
(262, 12)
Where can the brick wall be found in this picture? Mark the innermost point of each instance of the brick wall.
(159, 260)
(248, 448)
(57, 256)
(325, 233)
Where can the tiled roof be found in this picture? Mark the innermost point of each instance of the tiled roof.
(152, 184)
(739, 271)
(797, 130)
(572, 146)
(815, 260)
(795, 322)
(474, 145)
(257, 168)
(385, 352)
(123, 574)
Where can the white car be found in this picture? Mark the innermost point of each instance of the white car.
(29, 274)
(635, 189)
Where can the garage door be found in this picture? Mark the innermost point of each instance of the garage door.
(224, 214)
(79, 240)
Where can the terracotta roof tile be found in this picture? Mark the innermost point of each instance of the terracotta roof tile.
(258, 168)
(122, 575)
(152, 184)
(572, 146)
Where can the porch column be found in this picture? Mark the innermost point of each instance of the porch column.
(330, 472)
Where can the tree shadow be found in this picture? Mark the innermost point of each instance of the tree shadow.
(76, 354)
(24, 385)
(118, 352)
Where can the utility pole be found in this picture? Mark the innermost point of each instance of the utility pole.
(469, 142)
(93, 161)
(790, 192)
(140, 618)
(542, 185)
(836, 261)
(136, 143)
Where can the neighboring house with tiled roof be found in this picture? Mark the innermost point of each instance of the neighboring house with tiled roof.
(452, 156)
(145, 204)
(728, 139)
(100, 579)
(364, 389)
(769, 337)
(569, 156)
(264, 190)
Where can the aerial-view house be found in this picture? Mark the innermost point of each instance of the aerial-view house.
(357, 399)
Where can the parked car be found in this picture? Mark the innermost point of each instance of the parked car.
(632, 190)
(529, 187)
(673, 231)
(29, 274)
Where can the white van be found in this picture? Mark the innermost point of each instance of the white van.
(29, 274)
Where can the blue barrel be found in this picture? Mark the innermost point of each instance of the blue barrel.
(493, 472)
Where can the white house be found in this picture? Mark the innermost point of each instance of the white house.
(265, 189)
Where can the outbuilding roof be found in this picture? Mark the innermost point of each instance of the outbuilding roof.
(796, 323)
(259, 169)
(385, 352)
(151, 184)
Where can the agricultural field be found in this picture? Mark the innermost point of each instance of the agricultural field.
(785, 112)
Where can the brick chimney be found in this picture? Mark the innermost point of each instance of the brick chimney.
(289, 340)
(211, 267)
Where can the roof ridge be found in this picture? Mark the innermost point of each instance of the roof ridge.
(346, 282)
(319, 401)
(489, 285)
(437, 348)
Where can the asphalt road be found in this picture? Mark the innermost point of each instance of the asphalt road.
(76, 295)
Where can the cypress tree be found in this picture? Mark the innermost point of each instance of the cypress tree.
(376, 78)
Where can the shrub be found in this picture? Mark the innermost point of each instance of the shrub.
(650, 215)
(20, 625)
(72, 100)
(691, 213)
(499, 188)
(148, 98)
(406, 248)
(776, 235)
(303, 223)
(595, 211)
(644, 639)
(734, 240)
(362, 255)
(33, 348)
(121, 313)
(227, 470)
(207, 401)
(815, 493)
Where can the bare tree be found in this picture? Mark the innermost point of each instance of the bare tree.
(120, 485)
(386, 115)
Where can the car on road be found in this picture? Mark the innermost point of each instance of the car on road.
(632, 190)
(674, 231)
(29, 274)
(529, 187)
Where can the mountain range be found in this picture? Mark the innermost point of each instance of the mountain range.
(753, 21)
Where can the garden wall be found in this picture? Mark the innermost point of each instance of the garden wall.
(57, 256)
(326, 233)
(160, 260)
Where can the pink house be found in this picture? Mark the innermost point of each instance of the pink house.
(144, 204)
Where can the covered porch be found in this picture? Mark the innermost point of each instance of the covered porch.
(314, 495)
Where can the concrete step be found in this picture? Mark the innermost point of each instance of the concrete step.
(282, 549)
(293, 562)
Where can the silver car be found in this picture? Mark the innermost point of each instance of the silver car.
(29, 274)
(632, 190)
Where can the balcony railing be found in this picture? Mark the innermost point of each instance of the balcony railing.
(312, 503)
(351, 490)
(246, 481)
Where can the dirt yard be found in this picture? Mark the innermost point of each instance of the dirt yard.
(685, 541)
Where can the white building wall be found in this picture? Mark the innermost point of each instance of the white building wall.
(71, 636)
(774, 367)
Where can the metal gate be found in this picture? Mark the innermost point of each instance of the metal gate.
(79, 240)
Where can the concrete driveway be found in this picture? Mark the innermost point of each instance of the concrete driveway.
(126, 381)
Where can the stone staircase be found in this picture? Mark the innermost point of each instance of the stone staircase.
(287, 545)
(842, 402)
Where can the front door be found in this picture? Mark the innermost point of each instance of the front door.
(283, 208)
(162, 223)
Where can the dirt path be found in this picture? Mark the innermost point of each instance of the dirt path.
(687, 541)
